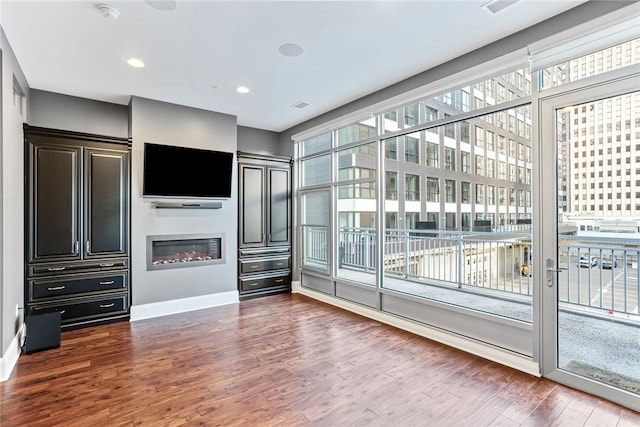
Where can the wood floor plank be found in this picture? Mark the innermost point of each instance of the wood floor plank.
(283, 360)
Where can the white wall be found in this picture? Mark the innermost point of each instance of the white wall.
(162, 123)
(14, 113)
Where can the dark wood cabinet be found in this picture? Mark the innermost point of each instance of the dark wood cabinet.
(265, 210)
(264, 229)
(106, 215)
(77, 225)
(54, 211)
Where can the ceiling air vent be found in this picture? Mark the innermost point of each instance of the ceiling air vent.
(495, 6)
(300, 104)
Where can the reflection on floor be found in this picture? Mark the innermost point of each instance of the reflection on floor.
(609, 346)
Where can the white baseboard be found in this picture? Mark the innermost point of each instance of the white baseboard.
(9, 360)
(485, 351)
(165, 308)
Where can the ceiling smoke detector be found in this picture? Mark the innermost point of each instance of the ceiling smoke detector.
(108, 11)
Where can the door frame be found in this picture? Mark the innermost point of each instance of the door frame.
(603, 86)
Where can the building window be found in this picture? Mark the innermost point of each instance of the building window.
(479, 165)
(432, 155)
(479, 136)
(491, 195)
(450, 191)
(465, 192)
(450, 220)
(464, 132)
(450, 129)
(411, 150)
(480, 194)
(412, 187)
(391, 148)
(433, 189)
(411, 219)
(490, 168)
(411, 115)
(449, 158)
(391, 185)
(465, 161)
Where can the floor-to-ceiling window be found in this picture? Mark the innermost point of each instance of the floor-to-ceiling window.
(432, 206)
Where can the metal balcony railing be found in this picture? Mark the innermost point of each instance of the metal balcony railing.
(497, 263)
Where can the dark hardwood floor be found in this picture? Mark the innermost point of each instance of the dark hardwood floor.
(284, 360)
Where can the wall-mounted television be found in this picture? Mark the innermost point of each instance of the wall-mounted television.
(183, 172)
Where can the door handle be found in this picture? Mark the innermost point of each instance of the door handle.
(551, 270)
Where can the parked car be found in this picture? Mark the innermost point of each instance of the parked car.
(609, 262)
(588, 261)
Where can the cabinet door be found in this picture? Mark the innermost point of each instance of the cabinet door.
(252, 206)
(279, 206)
(106, 215)
(54, 205)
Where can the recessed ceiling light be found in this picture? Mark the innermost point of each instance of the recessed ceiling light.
(166, 5)
(135, 62)
(242, 89)
(290, 49)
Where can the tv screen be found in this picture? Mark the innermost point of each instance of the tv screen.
(171, 171)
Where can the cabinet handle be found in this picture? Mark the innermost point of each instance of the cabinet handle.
(88, 247)
(253, 266)
(56, 288)
(62, 311)
(279, 280)
(279, 263)
(252, 284)
(110, 282)
(107, 264)
(76, 247)
(107, 305)
(55, 268)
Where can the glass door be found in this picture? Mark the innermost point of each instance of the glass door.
(591, 239)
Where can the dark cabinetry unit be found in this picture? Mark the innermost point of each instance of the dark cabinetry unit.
(264, 231)
(77, 225)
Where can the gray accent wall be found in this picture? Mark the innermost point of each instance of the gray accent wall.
(57, 111)
(13, 114)
(258, 141)
(170, 124)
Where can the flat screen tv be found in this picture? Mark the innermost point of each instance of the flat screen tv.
(183, 172)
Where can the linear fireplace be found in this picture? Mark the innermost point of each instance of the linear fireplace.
(184, 250)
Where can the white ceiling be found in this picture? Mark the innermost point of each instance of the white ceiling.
(197, 54)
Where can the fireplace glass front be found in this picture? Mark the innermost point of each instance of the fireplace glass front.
(179, 251)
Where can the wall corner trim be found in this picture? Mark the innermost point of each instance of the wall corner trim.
(9, 360)
(182, 305)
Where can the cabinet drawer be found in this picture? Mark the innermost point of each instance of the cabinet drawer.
(74, 310)
(63, 286)
(77, 267)
(264, 264)
(252, 284)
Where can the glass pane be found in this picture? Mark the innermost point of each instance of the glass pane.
(509, 86)
(316, 170)
(356, 213)
(598, 240)
(315, 226)
(357, 163)
(316, 144)
(365, 129)
(608, 59)
(455, 235)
